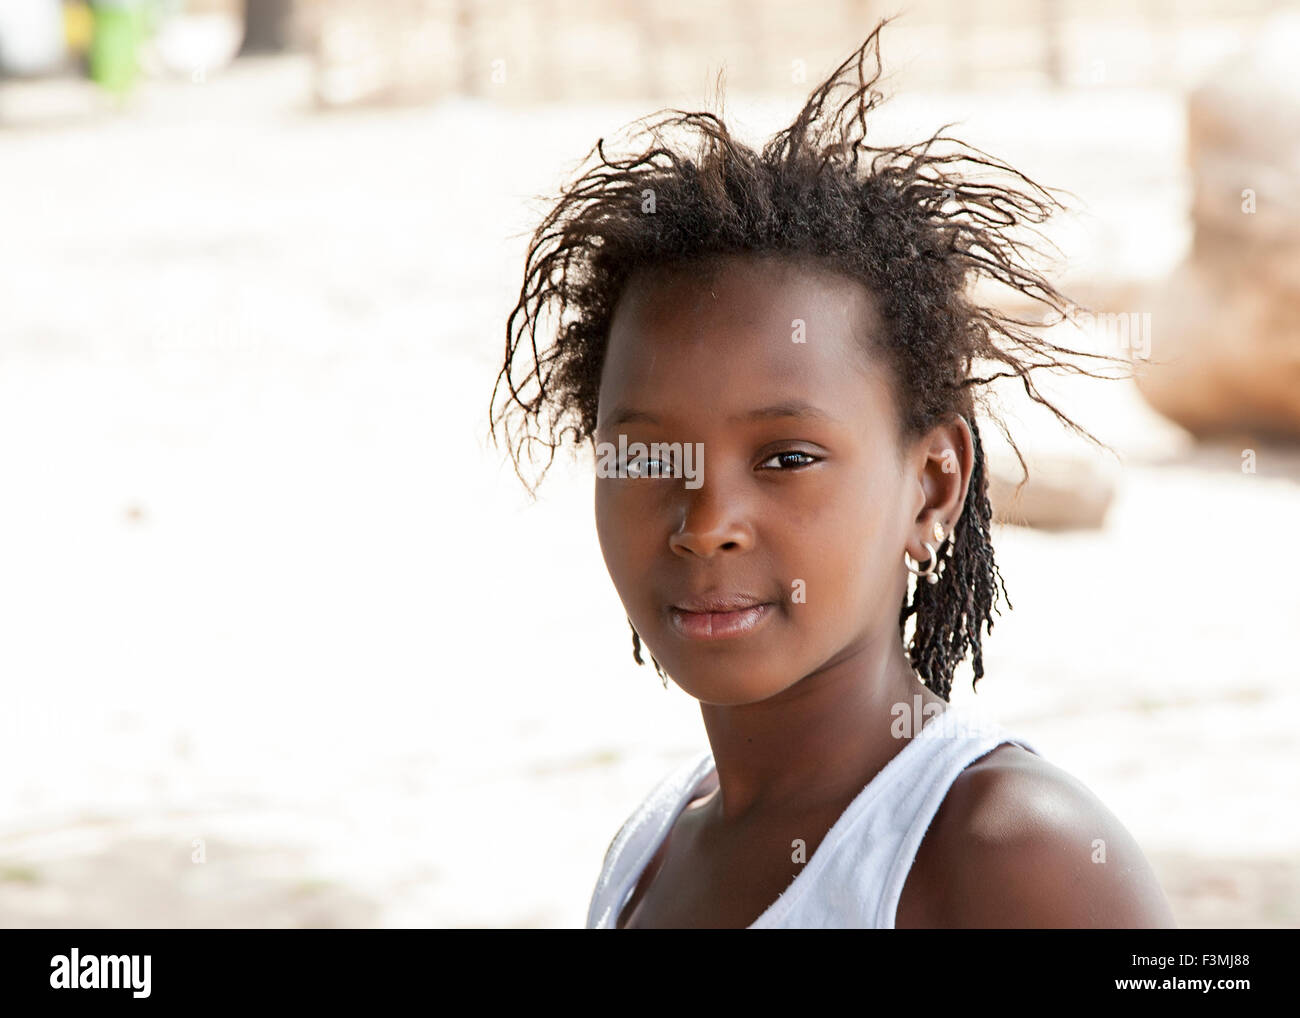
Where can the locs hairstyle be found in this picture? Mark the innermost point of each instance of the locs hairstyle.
(918, 225)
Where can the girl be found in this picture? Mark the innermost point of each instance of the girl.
(799, 319)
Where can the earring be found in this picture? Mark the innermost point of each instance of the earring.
(934, 567)
(930, 571)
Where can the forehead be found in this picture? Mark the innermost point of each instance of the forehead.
(742, 331)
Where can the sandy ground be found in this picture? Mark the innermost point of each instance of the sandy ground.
(286, 645)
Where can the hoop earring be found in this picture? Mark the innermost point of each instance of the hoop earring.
(933, 570)
(930, 572)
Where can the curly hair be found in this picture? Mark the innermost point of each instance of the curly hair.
(918, 225)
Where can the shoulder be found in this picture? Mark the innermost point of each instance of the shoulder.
(1018, 842)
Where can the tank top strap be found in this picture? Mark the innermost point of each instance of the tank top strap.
(960, 735)
(636, 841)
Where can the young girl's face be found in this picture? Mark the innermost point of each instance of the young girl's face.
(805, 506)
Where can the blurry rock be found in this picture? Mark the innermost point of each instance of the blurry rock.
(1225, 351)
(1064, 491)
(1230, 348)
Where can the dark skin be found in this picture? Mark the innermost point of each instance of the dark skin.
(822, 497)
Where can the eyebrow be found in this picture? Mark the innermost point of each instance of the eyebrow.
(793, 408)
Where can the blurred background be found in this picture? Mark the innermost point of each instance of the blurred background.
(283, 641)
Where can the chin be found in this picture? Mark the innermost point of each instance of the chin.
(717, 690)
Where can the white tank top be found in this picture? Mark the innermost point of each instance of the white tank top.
(855, 877)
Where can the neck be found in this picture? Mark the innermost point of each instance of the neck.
(819, 741)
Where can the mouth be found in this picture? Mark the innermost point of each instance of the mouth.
(720, 617)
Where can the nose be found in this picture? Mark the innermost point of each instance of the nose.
(712, 521)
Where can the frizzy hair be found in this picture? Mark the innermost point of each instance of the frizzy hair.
(916, 225)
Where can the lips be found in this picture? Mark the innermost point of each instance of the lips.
(718, 616)
(718, 603)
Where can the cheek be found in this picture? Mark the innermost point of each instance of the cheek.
(842, 553)
(623, 542)
(608, 526)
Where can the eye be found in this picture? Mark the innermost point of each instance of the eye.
(642, 467)
(808, 457)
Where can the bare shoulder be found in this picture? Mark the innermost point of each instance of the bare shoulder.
(1020, 843)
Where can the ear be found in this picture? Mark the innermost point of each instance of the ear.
(942, 462)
